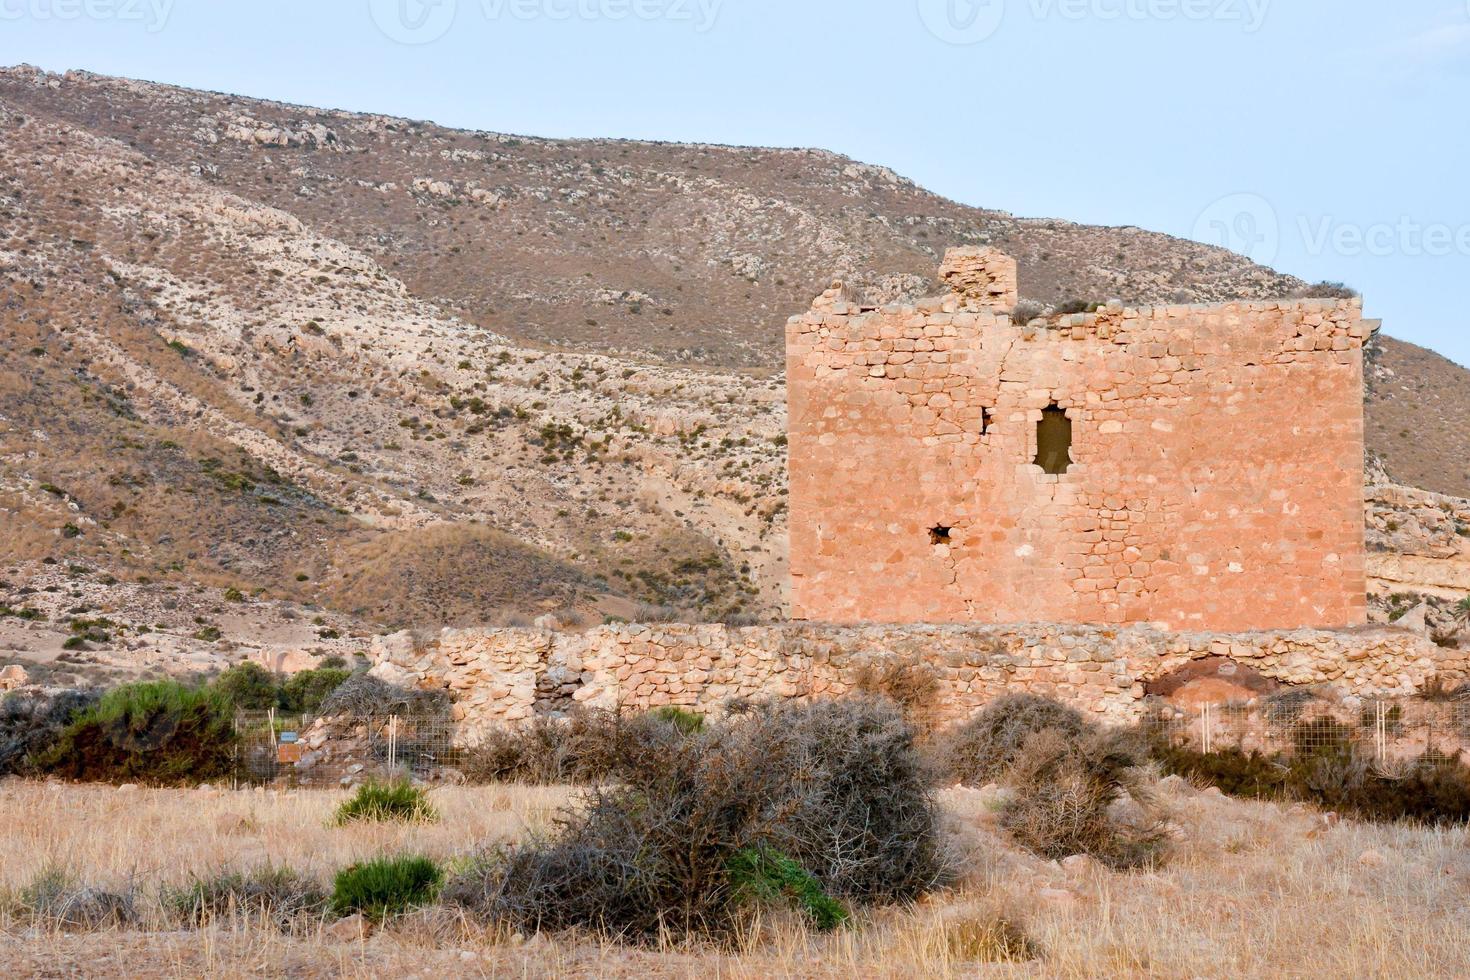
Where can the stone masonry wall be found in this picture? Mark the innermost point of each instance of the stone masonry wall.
(1216, 461)
(508, 676)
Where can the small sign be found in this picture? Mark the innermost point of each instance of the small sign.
(289, 753)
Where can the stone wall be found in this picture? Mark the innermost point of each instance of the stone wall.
(1215, 477)
(508, 676)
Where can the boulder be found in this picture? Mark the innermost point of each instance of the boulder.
(352, 929)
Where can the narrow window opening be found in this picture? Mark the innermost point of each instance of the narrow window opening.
(939, 535)
(985, 419)
(1054, 441)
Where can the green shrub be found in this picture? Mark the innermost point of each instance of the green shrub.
(1237, 773)
(766, 878)
(980, 750)
(400, 802)
(158, 732)
(248, 686)
(304, 693)
(1327, 769)
(687, 722)
(385, 886)
(278, 895)
(31, 721)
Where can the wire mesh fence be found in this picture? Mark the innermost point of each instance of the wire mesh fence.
(275, 748)
(1387, 731)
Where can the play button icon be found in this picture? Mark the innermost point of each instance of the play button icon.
(962, 21)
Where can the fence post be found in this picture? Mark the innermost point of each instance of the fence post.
(235, 756)
(1206, 725)
(393, 743)
(1380, 730)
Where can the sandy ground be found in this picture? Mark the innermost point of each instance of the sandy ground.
(1252, 890)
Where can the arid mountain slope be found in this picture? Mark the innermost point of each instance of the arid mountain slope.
(200, 386)
(1418, 410)
(426, 376)
(684, 252)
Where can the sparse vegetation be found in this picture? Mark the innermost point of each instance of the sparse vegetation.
(1328, 769)
(277, 895)
(55, 900)
(385, 886)
(394, 802)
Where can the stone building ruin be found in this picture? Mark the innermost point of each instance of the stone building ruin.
(1190, 467)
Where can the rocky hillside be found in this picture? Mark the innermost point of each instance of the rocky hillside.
(420, 375)
(1418, 405)
(695, 253)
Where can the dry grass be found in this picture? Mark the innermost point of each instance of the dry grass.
(1253, 890)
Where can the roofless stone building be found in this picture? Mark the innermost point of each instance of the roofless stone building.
(1194, 467)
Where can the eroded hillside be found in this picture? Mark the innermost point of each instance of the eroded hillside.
(419, 375)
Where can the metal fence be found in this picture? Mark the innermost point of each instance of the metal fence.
(274, 748)
(1390, 732)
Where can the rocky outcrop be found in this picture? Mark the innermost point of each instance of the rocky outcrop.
(1418, 541)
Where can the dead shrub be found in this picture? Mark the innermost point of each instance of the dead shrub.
(910, 684)
(988, 939)
(980, 750)
(365, 696)
(835, 787)
(1084, 795)
(279, 896)
(54, 900)
(588, 746)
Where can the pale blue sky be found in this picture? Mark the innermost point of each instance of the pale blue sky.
(1341, 125)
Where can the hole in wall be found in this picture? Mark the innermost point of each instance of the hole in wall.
(940, 535)
(1054, 441)
(985, 419)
